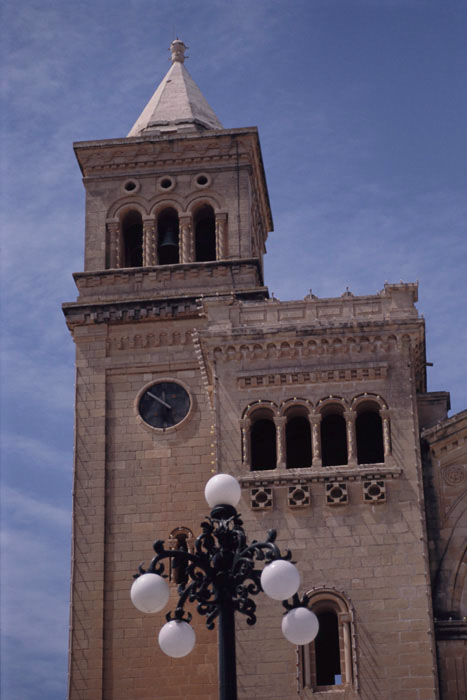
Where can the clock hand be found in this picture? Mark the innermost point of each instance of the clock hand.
(164, 403)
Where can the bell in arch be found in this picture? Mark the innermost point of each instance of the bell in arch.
(168, 242)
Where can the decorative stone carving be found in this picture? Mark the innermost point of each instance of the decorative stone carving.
(186, 240)
(455, 474)
(298, 496)
(336, 493)
(261, 498)
(374, 491)
(221, 240)
(149, 244)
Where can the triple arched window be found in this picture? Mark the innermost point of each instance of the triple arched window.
(167, 238)
(334, 433)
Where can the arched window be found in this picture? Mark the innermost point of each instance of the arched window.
(329, 661)
(263, 443)
(369, 432)
(333, 438)
(204, 222)
(297, 440)
(132, 239)
(168, 237)
(327, 650)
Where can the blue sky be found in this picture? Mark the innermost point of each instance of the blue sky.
(361, 106)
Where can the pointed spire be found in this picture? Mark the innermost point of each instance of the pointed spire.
(178, 104)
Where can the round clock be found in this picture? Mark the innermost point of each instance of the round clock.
(164, 404)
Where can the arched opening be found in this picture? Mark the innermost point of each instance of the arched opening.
(333, 440)
(263, 444)
(168, 237)
(327, 650)
(205, 234)
(132, 239)
(298, 442)
(330, 660)
(179, 540)
(369, 431)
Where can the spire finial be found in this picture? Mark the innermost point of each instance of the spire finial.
(177, 48)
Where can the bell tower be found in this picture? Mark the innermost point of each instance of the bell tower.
(176, 212)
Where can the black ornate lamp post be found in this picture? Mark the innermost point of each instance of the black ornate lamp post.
(220, 576)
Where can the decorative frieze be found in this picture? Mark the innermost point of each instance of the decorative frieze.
(319, 376)
(122, 342)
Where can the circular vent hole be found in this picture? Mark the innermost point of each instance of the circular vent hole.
(130, 186)
(262, 497)
(202, 180)
(166, 183)
(336, 492)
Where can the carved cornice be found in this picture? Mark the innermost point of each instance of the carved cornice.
(163, 280)
(78, 314)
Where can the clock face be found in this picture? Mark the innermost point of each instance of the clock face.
(164, 404)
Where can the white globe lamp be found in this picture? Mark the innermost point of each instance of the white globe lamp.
(150, 593)
(280, 579)
(222, 490)
(177, 638)
(300, 626)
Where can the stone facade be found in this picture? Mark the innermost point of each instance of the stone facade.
(381, 543)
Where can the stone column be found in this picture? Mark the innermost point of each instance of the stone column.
(186, 242)
(344, 619)
(245, 426)
(149, 244)
(384, 413)
(316, 441)
(113, 230)
(350, 418)
(221, 237)
(280, 423)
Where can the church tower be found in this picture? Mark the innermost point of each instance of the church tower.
(185, 367)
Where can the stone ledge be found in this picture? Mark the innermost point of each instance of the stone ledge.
(325, 474)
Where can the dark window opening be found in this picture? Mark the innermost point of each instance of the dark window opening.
(179, 565)
(369, 429)
(205, 234)
(333, 440)
(298, 442)
(168, 237)
(263, 444)
(132, 236)
(327, 652)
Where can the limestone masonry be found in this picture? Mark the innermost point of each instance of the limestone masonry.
(318, 406)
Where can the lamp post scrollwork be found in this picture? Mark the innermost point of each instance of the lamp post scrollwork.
(221, 578)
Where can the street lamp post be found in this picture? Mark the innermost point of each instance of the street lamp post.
(220, 576)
